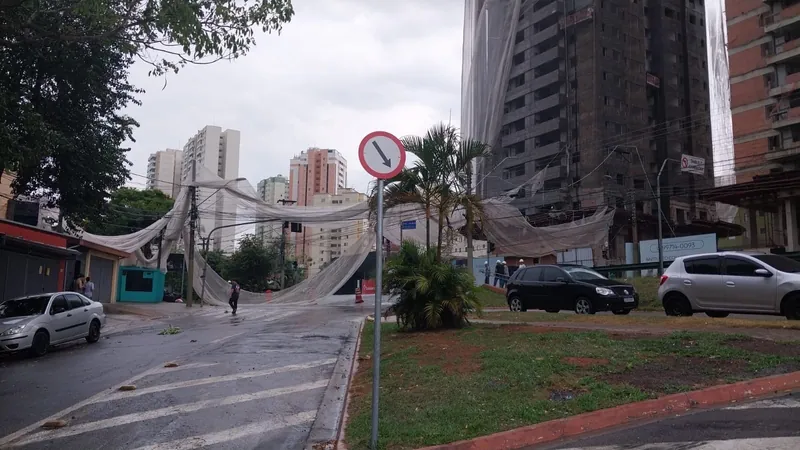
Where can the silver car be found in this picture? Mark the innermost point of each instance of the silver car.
(36, 322)
(731, 282)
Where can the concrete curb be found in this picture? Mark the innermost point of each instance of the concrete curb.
(326, 427)
(624, 414)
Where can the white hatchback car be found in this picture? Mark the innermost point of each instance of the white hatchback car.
(731, 282)
(36, 322)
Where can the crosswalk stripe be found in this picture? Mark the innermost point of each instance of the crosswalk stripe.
(778, 443)
(164, 412)
(770, 403)
(220, 437)
(97, 398)
(212, 380)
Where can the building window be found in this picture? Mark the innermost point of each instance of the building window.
(514, 171)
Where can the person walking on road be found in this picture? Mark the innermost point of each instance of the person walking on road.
(234, 299)
(88, 288)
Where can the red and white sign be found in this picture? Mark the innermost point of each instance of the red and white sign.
(368, 287)
(693, 164)
(382, 155)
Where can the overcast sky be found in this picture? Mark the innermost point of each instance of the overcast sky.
(339, 70)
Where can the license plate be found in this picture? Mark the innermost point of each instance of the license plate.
(629, 300)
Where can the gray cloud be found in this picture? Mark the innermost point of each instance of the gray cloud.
(340, 69)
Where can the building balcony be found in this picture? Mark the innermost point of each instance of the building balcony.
(545, 80)
(519, 113)
(546, 103)
(519, 69)
(545, 127)
(782, 18)
(548, 33)
(790, 83)
(545, 57)
(512, 138)
(784, 154)
(552, 172)
(785, 51)
(516, 92)
(786, 118)
(547, 150)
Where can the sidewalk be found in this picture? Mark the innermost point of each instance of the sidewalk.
(129, 316)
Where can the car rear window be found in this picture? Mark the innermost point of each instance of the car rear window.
(707, 265)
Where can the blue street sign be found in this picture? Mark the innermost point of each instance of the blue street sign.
(408, 225)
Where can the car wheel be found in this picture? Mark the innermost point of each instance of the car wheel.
(41, 343)
(717, 314)
(515, 304)
(677, 305)
(621, 312)
(791, 308)
(552, 310)
(94, 332)
(584, 306)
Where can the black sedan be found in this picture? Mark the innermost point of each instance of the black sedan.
(568, 287)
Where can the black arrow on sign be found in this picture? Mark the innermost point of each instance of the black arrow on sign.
(386, 161)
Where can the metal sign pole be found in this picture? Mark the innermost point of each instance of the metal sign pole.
(376, 349)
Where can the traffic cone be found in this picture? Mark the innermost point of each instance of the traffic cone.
(269, 296)
(359, 299)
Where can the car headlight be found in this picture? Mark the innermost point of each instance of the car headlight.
(13, 330)
(604, 291)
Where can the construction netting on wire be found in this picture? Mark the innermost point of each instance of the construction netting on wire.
(229, 208)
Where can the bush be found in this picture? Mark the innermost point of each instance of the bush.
(431, 294)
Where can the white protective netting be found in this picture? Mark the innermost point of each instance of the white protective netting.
(235, 202)
(490, 27)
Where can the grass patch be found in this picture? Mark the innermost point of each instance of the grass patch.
(170, 330)
(440, 387)
(678, 323)
(490, 298)
(647, 287)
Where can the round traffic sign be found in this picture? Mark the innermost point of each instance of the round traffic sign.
(382, 155)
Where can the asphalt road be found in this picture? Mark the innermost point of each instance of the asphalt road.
(772, 424)
(254, 381)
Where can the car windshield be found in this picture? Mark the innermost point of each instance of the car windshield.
(21, 307)
(781, 263)
(582, 273)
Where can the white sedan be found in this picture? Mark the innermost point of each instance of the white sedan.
(36, 322)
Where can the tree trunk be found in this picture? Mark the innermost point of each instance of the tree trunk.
(427, 225)
(439, 234)
(470, 219)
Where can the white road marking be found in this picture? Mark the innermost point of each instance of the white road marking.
(164, 412)
(211, 380)
(768, 404)
(223, 339)
(220, 437)
(779, 443)
(98, 398)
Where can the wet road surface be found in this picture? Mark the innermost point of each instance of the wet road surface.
(251, 381)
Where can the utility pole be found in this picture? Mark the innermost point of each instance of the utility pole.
(192, 228)
(470, 219)
(660, 218)
(283, 242)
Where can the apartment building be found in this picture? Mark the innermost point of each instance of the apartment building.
(216, 151)
(272, 190)
(764, 54)
(314, 171)
(593, 97)
(327, 244)
(164, 169)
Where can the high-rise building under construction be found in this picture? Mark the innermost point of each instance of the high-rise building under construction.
(582, 101)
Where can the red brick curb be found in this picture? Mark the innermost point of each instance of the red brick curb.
(623, 414)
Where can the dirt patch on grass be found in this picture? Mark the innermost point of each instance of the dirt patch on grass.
(585, 362)
(445, 350)
(666, 373)
(766, 347)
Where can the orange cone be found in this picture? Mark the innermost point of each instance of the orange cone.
(359, 299)
(269, 296)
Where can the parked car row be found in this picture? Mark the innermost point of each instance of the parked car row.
(36, 322)
(716, 284)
